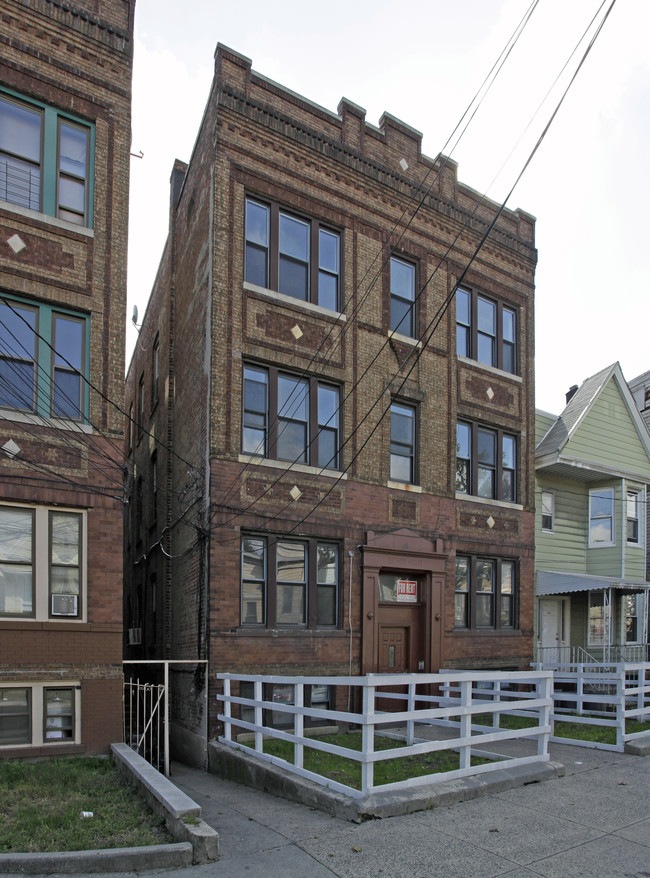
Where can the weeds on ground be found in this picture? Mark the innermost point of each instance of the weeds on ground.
(41, 805)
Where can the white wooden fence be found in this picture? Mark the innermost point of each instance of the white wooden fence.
(600, 695)
(452, 701)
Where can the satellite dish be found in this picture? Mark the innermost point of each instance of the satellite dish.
(135, 314)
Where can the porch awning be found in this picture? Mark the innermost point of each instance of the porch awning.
(552, 582)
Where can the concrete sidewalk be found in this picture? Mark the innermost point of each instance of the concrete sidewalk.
(592, 823)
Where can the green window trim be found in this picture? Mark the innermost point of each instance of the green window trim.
(49, 156)
(45, 359)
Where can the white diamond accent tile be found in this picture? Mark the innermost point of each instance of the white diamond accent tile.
(490, 394)
(10, 448)
(16, 243)
(491, 522)
(296, 493)
(297, 332)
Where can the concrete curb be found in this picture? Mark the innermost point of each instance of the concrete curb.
(638, 746)
(181, 814)
(197, 842)
(246, 769)
(167, 856)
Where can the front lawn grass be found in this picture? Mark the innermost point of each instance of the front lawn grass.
(596, 734)
(567, 729)
(348, 771)
(506, 720)
(41, 803)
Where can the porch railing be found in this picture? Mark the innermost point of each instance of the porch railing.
(455, 702)
(609, 654)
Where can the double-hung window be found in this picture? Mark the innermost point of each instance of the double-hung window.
(292, 255)
(485, 592)
(15, 716)
(402, 443)
(155, 370)
(41, 563)
(486, 330)
(599, 619)
(402, 297)
(43, 359)
(631, 617)
(153, 487)
(286, 582)
(45, 160)
(548, 512)
(486, 462)
(141, 405)
(39, 714)
(633, 513)
(292, 418)
(601, 517)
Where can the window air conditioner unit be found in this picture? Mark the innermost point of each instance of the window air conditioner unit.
(64, 604)
(135, 636)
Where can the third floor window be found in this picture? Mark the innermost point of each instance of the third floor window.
(402, 297)
(45, 160)
(292, 255)
(486, 331)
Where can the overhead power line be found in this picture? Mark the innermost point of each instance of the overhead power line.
(427, 335)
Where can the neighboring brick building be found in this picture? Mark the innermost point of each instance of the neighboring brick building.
(65, 104)
(317, 444)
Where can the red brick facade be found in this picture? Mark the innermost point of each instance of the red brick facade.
(337, 173)
(65, 67)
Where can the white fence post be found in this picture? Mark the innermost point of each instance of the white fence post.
(620, 707)
(227, 723)
(544, 689)
(368, 737)
(410, 724)
(508, 692)
(298, 723)
(465, 722)
(259, 735)
(580, 680)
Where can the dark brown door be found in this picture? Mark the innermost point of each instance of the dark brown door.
(394, 651)
(401, 647)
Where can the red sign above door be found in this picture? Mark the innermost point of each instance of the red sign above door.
(407, 590)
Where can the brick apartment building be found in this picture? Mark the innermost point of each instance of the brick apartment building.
(65, 104)
(333, 471)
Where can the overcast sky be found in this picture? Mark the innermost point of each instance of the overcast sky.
(423, 61)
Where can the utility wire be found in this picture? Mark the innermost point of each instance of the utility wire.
(419, 194)
(416, 352)
(65, 434)
(102, 395)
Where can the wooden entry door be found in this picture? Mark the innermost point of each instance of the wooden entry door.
(394, 649)
(401, 647)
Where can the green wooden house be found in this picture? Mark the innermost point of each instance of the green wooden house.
(592, 471)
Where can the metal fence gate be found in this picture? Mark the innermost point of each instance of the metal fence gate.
(144, 721)
(146, 710)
